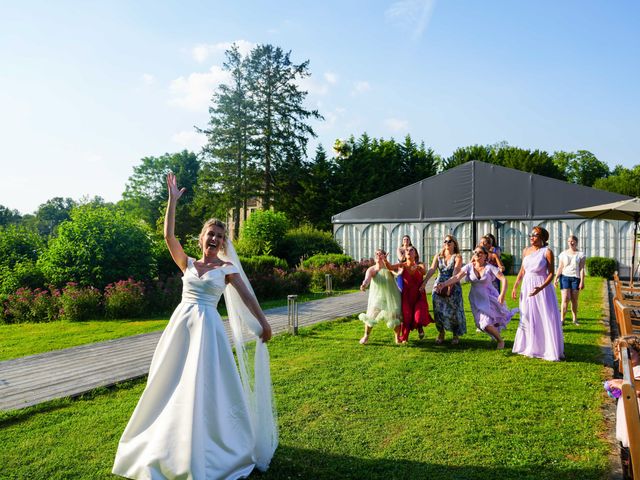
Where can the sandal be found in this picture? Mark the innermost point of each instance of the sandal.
(364, 340)
(500, 345)
(455, 341)
(420, 334)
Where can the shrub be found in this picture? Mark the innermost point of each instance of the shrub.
(304, 242)
(27, 305)
(601, 267)
(507, 261)
(25, 273)
(262, 264)
(262, 233)
(346, 275)
(164, 295)
(124, 299)
(80, 303)
(320, 260)
(98, 246)
(278, 283)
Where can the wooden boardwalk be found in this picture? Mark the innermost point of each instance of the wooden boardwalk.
(38, 378)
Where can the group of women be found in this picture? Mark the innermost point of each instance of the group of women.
(402, 302)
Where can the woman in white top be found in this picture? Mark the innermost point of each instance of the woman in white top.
(570, 275)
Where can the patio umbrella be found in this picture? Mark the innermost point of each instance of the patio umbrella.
(626, 210)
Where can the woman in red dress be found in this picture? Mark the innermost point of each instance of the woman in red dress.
(415, 311)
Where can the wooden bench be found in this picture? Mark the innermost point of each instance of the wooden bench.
(627, 317)
(629, 400)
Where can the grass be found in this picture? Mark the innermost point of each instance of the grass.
(23, 339)
(378, 411)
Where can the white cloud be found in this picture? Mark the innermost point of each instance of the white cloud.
(396, 124)
(331, 77)
(412, 15)
(202, 51)
(148, 79)
(361, 87)
(195, 91)
(309, 85)
(190, 140)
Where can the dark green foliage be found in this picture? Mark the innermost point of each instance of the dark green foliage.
(145, 193)
(25, 273)
(8, 216)
(368, 168)
(52, 213)
(278, 283)
(507, 261)
(581, 167)
(318, 187)
(343, 275)
(99, 245)
(306, 241)
(601, 267)
(261, 264)
(18, 243)
(534, 161)
(80, 303)
(124, 299)
(165, 294)
(262, 233)
(27, 305)
(621, 180)
(321, 260)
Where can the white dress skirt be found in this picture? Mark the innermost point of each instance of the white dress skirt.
(192, 421)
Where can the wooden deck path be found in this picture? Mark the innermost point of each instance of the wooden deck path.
(38, 378)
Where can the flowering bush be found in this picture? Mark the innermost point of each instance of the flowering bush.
(80, 303)
(279, 283)
(346, 275)
(27, 305)
(164, 295)
(124, 299)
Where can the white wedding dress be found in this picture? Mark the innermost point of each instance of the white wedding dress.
(197, 419)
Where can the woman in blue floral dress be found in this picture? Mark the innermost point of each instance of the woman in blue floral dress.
(448, 309)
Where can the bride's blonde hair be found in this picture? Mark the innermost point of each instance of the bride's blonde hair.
(213, 222)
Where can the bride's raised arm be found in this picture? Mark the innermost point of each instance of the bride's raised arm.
(177, 253)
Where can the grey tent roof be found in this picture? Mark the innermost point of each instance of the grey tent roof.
(478, 191)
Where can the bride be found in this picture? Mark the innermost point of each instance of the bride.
(203, 415)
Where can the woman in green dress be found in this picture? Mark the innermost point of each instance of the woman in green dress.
(384, 298)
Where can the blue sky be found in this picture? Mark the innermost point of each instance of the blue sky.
(89, 88)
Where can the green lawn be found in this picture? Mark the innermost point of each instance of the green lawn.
(24, 339)
(377, 411)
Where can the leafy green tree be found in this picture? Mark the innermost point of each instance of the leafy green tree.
(581, 167)
(231, 166)
(8, 216)
(52, 213)
(280, 117)
(145, 193)
(461, 155)
(19, 249)
(98, 245)
(262, 233)
(319, 189)
(622, 180)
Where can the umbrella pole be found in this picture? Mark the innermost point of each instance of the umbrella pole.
(633, 253)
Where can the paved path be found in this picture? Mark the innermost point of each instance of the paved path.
(38, 378)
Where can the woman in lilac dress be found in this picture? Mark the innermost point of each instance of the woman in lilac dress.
(539, 334)
(489, 312)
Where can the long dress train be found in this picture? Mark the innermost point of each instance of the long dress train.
(539, 334)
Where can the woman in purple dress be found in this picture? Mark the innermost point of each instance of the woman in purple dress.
(489, 312)
(539, 334)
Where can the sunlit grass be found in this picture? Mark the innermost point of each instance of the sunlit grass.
(377, 411)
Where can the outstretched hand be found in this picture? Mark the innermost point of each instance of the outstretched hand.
(172, 186)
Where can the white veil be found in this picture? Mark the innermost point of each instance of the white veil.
(255, 375)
